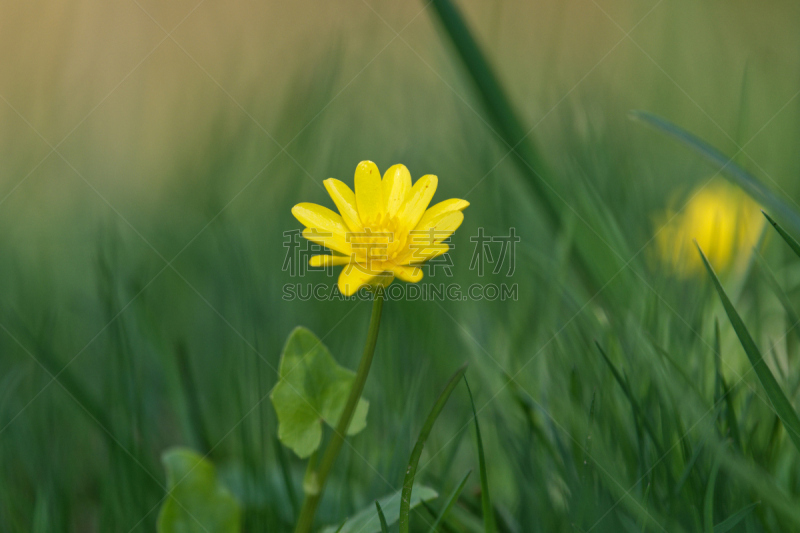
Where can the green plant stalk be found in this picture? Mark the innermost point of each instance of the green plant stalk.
(313, 495)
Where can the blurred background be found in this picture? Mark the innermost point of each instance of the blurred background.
(150, 155)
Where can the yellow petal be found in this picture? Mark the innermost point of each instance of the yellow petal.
(328, 260)
(354, 276)
(419, 253)
(337, 243)
(417, 201)
(395, 186)
(439, 210)
(322, 218)
(369, 193)
(437, 229)
(411, 274)
(345, 201)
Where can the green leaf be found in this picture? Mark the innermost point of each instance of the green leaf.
(734, 519)
(733, 172)
(197, 502)
(413, 462)
(451, 500)
(367, 520)
(489, 525)
(783, 408)
(384, 526)
(312, 388)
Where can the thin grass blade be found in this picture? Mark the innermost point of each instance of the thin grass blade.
(413, 462)
(451, 500)
(384, 525)
(793, 244)
(489, 525)
(708, 502)
(781, 404)
(733, 520)
(637, 409)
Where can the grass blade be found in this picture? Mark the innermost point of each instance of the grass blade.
(724, 390)
(506, 123)
(413, 462)
(489, 525)
(286, 475)
(634, 404)
(384, 525)
(793, 244)
(496, 102)
(451, 500)
(734, 519)
(733, 172)
(781, 404)
(708, 503)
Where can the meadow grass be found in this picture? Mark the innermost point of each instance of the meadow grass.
(142, 275)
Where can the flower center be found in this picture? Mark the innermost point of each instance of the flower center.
(382, 240)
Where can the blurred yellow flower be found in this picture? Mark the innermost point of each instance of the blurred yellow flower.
(723, 220)
(382, 230)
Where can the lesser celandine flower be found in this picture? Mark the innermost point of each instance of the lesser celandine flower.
(723, 220)
(383, 229)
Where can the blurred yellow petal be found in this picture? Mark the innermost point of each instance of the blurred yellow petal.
(369, 193)
(354, 276)
(411, 274)
(395, 187)
(724, 221)
(329, 240)
(319, 217)
(345, 201)
(440, 210)
(417, 201)
(328, 260)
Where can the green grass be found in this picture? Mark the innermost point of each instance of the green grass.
(158, 307)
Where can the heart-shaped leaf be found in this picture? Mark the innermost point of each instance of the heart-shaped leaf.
(197, 502)
(312, 388)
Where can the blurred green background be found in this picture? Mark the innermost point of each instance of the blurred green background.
(151, 153)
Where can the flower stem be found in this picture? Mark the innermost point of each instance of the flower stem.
(312, 497)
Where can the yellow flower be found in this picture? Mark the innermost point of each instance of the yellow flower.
(382, 230)
(725, 222)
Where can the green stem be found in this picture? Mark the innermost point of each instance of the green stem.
(313, 497)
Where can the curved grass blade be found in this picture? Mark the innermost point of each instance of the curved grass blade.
(733, 520)
(384, 525)
(413, 462)
(451, 500)
(781, 404)
(489, 525)
(733, 172)
(793, 244)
